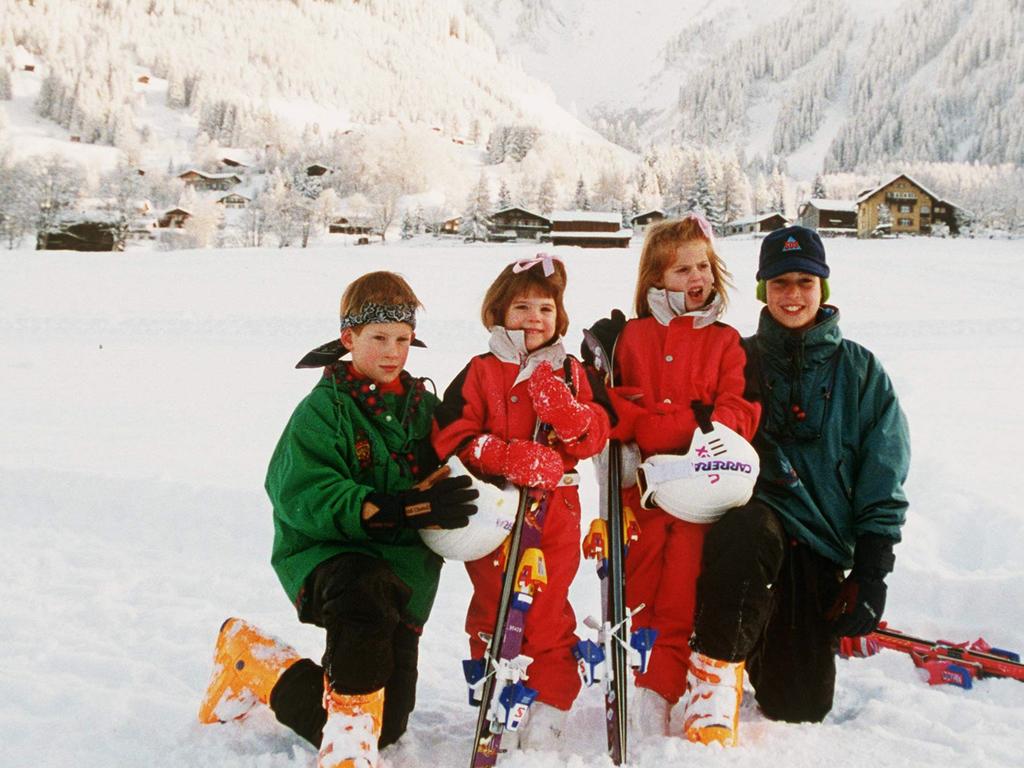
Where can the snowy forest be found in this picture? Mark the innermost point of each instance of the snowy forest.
(426, 112)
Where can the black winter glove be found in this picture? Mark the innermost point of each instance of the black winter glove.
(861, 601)
(605, 331)
(445, 504)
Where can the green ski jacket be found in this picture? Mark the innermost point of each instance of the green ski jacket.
(345, 440)
(833, 442)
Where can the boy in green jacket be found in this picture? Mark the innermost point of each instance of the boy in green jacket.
(352, 480)
(773, 594)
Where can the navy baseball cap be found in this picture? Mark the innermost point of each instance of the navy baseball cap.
(792, 249)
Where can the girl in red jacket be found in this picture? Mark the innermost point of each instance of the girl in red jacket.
(674, 359)
(488, 417)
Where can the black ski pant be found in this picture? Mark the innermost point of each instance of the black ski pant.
(359, 601)
(762, 598)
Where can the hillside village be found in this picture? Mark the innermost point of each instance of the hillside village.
(237, 203)
(168, 154)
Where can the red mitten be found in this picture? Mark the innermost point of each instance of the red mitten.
(487, 454)
(532, 465)
(665, 428)
(555, 404)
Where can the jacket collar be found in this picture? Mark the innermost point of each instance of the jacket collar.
(666, 306)
(510, 347)
(816, 344)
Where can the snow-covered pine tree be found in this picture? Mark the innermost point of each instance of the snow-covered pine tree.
(475, 218)
(408, 226)
(733, 191)
(818, 187)
(504, 196)
(582, 198)
(546, 195)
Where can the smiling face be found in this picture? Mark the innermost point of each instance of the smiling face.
(379, 350)
(534, 314)
(793, 299)
(689, 272)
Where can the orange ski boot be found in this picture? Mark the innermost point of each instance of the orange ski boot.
(714, 690)
(246, 665)
(352, 729)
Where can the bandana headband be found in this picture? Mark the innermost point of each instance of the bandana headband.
(380, 313)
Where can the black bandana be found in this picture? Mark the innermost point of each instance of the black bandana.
(380, 313)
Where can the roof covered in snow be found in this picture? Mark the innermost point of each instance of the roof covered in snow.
(829, 204)
(608, 217)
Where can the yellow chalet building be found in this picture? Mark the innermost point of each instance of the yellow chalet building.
(906, 206)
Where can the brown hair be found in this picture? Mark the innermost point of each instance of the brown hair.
(377, 288)
(509, 286)
(660, 250)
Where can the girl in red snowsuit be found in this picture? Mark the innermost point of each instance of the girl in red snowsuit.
(672, 357)
(488, 417)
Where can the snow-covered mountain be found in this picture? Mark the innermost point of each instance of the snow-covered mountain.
(833, 83)
(252, 72)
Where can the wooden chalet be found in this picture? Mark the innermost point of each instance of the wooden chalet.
(204, 181)
(450, 226)
(589, 229)
(643, 220)
(829, 217)
(85, 235)
(234, 200)
(517, 224)
(763, 222)
(175, 218)
(344, 226)
(912, 209)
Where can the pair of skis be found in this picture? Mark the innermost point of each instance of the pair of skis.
(496, 681)
(619, 649)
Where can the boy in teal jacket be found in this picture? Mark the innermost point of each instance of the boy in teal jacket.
(352, 480)
(773, 594)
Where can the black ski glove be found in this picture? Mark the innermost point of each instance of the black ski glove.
(606, 331)
(861, 601)
(445, 504)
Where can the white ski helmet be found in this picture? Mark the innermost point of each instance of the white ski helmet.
(717, 474)
(495, 515)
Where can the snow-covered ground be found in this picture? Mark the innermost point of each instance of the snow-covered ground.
(142, 394)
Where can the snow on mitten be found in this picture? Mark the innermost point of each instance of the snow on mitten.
(555, 404)
(532, 465)
(487, 454)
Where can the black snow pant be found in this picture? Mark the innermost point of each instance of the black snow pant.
(359, 601)
(762, 597)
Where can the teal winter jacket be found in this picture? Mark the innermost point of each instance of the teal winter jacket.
(833, 442)
(345, 440)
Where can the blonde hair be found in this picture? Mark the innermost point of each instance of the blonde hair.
(387, 288)
(509, 286)
(660, 250)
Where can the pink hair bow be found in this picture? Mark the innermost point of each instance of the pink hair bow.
(705, 226)
(545, 259)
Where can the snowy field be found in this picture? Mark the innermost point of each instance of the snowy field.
(142, 394)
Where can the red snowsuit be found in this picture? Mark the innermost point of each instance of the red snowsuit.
(669, 366)
(482, 400)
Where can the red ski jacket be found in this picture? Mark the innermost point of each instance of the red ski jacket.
(661, 369)
(483, 399)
